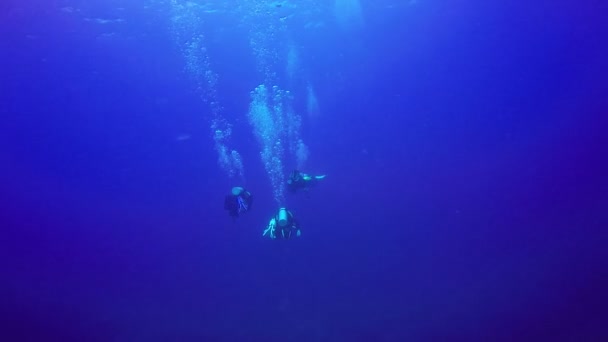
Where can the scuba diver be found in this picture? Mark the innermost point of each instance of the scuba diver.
(302, 181)
(238, 202)
(283, 225)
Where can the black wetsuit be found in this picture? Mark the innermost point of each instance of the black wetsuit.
(296, 181)
(238, 204)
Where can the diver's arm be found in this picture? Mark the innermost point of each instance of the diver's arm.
(270, 229)
(296, 226)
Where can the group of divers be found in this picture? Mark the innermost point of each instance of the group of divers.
(283, 224)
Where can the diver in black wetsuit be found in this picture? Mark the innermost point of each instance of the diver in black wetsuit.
(302, 181)
(282, 226)
(238, 202)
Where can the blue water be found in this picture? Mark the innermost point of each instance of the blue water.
(464, 144)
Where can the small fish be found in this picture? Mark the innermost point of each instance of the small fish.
(183, 137)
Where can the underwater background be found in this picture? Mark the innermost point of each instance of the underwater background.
(464, 144)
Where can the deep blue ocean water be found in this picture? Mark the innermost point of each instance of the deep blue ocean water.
(464, 145)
